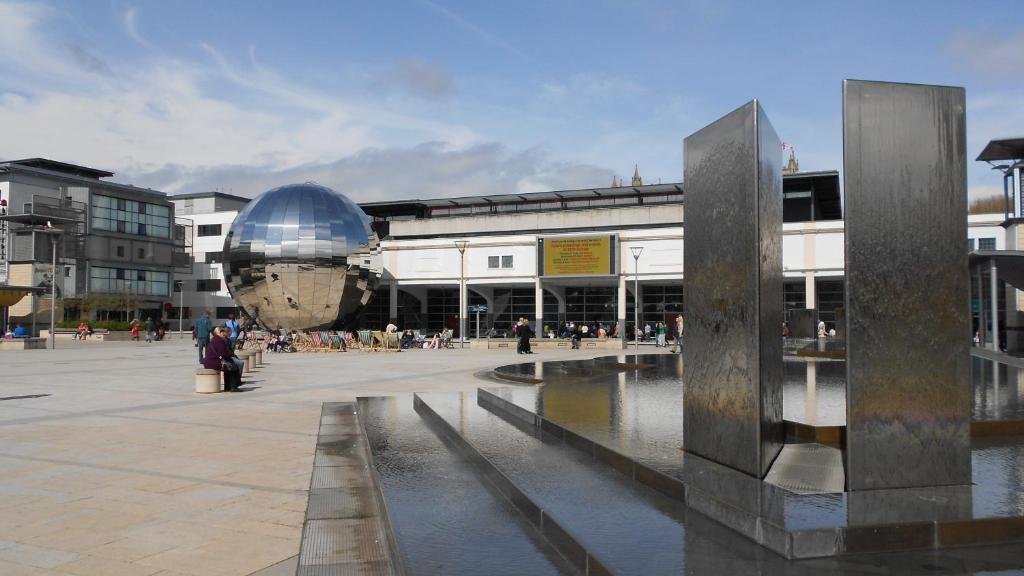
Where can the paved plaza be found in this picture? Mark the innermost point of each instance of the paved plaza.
(111, 465)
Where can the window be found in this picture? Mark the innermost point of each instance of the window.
(142, 253)
(144, 282)
(970, 244)
(495, 262)
(120, 251)
(213, 257)
(208, 230)
(178, 285)
(986, 243)
(794, 294)
(67, 271)
(130, 216)
(208, 285)
(223, 311)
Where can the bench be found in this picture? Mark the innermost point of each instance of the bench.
(208, 381)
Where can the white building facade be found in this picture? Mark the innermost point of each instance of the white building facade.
(203, 289)
(427, 281)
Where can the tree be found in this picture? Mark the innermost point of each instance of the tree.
(987, 205)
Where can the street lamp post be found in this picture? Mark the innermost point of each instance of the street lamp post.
(181, 307)
(636, 250)
(461, 245)
(53, 295)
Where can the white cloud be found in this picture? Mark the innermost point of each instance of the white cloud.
(586, 85)
(130, 21)
(429, 170)
(480, 33)
(988, 53)
(978, 192)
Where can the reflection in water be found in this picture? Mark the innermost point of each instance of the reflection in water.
(814, 391)
(997, 392)
(445, 520)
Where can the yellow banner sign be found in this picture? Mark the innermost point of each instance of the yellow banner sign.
(577, 256)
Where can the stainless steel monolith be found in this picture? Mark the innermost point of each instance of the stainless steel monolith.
(732, 255)
(908, 379)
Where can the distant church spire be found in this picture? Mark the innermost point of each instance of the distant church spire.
(637, 180)
(615, 181)
(792, 167)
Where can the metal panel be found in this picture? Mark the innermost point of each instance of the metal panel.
(733, 302)
(908, 403)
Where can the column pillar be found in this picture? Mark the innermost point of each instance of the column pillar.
(621, 309)
(462, 308)
(809, 288)
(994, 301)
(538, 305)
(393, 303)
(982, 326)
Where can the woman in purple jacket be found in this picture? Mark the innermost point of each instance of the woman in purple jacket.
(219, 351)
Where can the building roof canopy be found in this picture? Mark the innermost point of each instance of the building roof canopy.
(1003, 149)
(63, 167)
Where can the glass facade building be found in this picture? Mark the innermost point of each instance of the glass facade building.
(118, 280)
(130, 216)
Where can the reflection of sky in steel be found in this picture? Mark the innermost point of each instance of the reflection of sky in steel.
(297, 257)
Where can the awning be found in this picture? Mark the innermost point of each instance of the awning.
(1003, 149)
(1009, 264)
(11, 295)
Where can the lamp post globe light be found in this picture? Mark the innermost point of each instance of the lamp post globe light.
(636, 250)
(461, 245)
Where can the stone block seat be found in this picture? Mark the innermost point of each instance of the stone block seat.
(208, 381)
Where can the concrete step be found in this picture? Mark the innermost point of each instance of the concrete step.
(445, 520)
(601, 513)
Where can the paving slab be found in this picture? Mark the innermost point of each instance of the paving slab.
(112, 463)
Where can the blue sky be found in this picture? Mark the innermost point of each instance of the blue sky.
(400, 99)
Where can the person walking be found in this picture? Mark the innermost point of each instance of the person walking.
(524, 337)
(203, 328)
(232, 326)
(150, 329)
(517, 332)
(135, 330)
(662, 331)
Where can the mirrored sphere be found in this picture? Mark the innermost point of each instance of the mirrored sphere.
(301, 256)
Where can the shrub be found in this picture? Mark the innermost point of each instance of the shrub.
(113, 325)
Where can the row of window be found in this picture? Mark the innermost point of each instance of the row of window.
(144, 282)
(595, 202)
(208, 230)
(202, 285)
(130, 216)
(120, 251)
(495, 262)
(983, 244)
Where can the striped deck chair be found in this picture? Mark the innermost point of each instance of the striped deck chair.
(338, 343)
(393, 341)
(325, 340)
(365, 340)
(317, 344)
(298, 341)
(378, 339)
